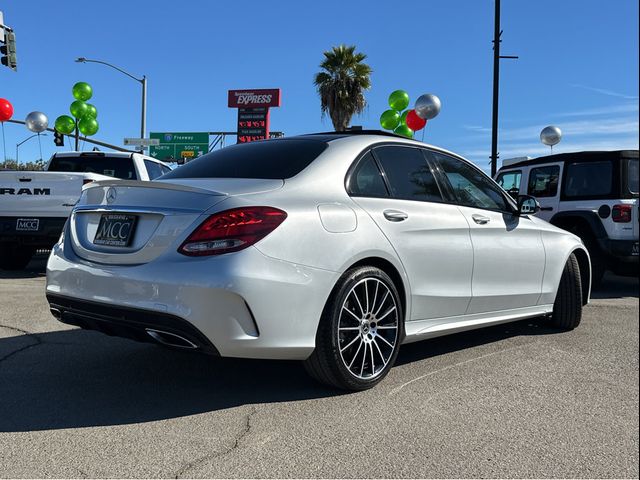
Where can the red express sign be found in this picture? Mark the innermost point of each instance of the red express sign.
(266, 97)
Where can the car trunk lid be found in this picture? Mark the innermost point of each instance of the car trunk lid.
(132, 222)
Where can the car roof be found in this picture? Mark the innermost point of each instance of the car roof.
(370, 137)
(586, 156)
(328, 136)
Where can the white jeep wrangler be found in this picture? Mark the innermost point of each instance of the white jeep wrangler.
(592, 194)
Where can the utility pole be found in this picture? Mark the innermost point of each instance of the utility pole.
(497, 33)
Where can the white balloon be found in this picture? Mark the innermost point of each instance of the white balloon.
(427, 106)
(37, 122)
(551, 135)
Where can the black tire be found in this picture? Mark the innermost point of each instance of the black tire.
(327, 363)
(14, 256)
(567, 309)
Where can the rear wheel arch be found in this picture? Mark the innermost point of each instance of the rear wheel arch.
(387, 267)
(580, 223)
(588, 226)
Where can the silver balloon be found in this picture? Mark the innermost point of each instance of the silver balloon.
(427, 106)
(550, 135)
(37, 122)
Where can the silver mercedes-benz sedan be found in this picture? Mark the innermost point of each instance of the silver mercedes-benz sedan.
(332, 248)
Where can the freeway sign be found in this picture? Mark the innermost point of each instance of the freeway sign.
(179, 145)
(142, 141)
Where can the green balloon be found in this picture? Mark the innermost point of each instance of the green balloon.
(65, 124)
(403, 117)
(404, 131)
(82, 91)
(78, 109)
(389, 119)
(399, 100)
(92, 111)
(88, 125)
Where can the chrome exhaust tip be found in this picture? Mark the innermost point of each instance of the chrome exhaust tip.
(57, 314)
(170, 339)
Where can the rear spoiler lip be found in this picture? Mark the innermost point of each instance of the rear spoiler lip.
(148, 184)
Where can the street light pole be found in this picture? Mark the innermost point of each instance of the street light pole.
(143, 123)
(25, 140)
(142, 81)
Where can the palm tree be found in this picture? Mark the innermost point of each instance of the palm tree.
(341, 84)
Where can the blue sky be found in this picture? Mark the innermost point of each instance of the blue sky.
(578, 66)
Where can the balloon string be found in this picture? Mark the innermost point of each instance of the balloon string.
(4, 144)
(423, 129)
(40, 145)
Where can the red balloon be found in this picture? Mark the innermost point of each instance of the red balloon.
(6, 110)
(414, 122)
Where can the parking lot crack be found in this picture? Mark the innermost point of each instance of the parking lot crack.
(35, 337)
(246, 429)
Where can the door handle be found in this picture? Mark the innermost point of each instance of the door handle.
(546, 209)
(395, 215)
(480, 219)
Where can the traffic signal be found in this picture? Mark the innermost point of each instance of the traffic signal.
(8, 51)
(58, 138)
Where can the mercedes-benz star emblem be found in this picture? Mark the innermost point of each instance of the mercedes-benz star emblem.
(111, 195)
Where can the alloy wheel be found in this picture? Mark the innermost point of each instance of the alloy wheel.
(368, 328)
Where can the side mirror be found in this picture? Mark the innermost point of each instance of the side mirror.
(528, 205)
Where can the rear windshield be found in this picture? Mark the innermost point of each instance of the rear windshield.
(117, 167)
(633, 174)
(269, 159)
(589, 179)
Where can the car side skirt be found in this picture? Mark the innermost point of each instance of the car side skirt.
(423, 329)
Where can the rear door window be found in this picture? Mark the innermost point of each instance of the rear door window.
(366, 179)
(543, 181)
(408, 174)
(588, 179)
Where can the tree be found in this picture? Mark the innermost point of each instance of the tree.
(341, 84)
(10, 164)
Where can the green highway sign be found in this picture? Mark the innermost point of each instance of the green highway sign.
(179, 145)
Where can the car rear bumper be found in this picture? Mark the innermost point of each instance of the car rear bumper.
(127, 322)
(244, 304)
(620, 255)
(47, 233)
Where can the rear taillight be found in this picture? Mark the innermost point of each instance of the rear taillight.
(621, 213)
(232, 230)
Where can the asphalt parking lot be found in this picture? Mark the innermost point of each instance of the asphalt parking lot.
(518, 400)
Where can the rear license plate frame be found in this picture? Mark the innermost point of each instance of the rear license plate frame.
(111, 234)
(27, 224)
